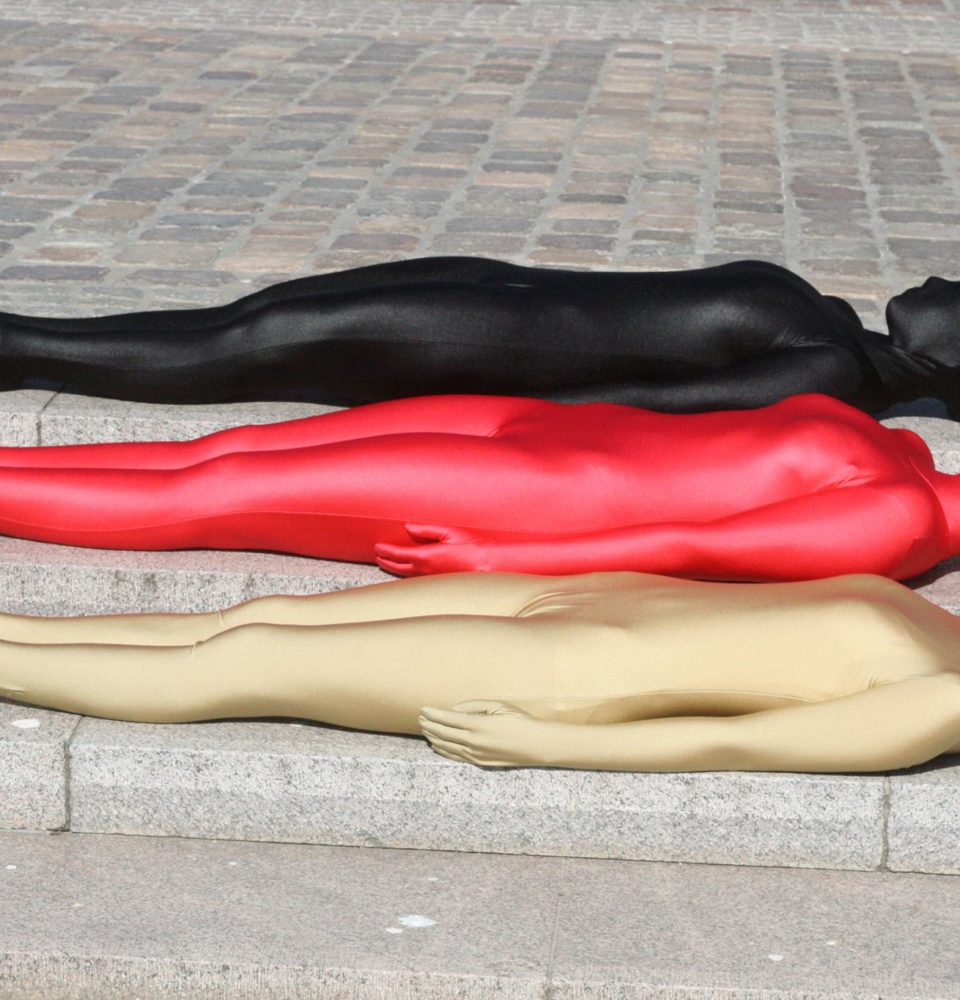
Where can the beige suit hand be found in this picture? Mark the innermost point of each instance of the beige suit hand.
(489, 733)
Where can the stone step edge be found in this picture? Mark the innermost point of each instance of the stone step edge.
(305, 783)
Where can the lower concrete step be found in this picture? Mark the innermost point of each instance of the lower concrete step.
(119, 917)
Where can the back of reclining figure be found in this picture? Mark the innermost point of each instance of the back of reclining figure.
(737, 335)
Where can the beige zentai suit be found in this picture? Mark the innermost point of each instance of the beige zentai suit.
(617, 671)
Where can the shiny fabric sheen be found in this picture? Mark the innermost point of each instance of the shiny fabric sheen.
(738, 335)
(617, 671)
(805, 488)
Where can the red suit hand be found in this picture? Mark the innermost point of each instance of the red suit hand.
(436, 549)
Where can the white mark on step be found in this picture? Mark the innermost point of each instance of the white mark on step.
(394, 930)
(26, 723)
(11, 868)
(775, 958)
(415, 920)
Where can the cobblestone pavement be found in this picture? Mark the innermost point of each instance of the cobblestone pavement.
(152, 154)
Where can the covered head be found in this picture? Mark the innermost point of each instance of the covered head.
(924, 323)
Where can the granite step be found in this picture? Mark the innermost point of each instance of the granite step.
(304, 783)
(110, 917)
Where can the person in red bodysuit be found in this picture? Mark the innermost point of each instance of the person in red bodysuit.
(805, 488)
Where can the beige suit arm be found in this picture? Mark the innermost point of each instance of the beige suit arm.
(884, 728)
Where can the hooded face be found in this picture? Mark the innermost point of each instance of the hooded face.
(925, 321)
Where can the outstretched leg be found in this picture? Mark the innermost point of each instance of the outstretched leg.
(306, 334)
(370, 675)
(440, 325)
(332, 500)
(478, 416)
(501, 595)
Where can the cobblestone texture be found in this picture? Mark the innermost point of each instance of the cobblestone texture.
(156, 155)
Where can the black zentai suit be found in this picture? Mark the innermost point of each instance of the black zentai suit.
(738, 335)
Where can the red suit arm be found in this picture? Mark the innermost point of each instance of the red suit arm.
(895, 530)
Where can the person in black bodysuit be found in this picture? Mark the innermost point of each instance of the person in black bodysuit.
(737, 335)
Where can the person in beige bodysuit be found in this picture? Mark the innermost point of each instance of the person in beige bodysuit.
(615, 671)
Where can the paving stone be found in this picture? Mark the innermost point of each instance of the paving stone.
(206, 220)
(489, 225)
(186, 234)
(52, 272)
(387, 242)
(176, 277)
